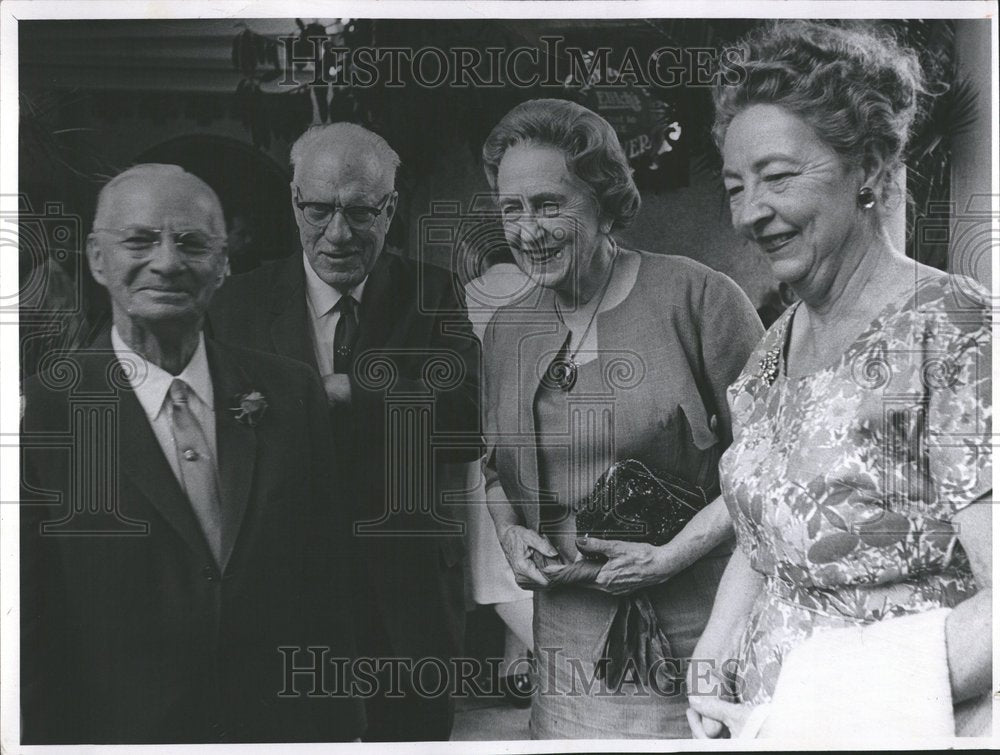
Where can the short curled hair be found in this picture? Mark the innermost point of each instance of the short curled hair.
(858, 88)
(593, 152)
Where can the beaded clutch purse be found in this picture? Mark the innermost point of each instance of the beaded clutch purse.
(630, 502)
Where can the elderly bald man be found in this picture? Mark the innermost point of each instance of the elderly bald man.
(355, 312)
(189, 548)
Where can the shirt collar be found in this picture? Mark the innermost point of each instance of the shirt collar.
(322, 296)
(151, 382)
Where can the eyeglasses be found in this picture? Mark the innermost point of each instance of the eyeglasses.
(358, 216)
(140, 240)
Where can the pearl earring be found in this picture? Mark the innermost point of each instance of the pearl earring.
(866, 198)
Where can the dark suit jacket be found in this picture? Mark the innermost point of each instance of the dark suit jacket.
(129, 631)
(416, 349)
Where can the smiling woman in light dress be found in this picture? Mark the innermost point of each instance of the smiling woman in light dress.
(860, 469)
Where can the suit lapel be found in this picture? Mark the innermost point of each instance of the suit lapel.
(236, 443)
(381, 303)
(290, 328)
(140, 456)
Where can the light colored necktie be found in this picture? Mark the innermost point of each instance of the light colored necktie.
(199, 476)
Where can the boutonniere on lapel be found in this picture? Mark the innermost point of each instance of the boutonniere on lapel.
(249, 408)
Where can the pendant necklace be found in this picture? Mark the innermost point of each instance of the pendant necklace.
(564, 370)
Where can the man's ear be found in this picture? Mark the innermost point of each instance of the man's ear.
(390, 208)
(95, 258)
(224, 271)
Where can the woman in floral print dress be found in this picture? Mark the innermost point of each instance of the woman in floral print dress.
(860, 463)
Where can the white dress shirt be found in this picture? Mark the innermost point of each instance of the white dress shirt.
(152, 385)
(322, 298)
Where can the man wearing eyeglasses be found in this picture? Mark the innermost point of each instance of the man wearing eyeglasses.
(391, 339)
(179, 521)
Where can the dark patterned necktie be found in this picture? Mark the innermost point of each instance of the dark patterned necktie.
(345, 335)
(199, 476)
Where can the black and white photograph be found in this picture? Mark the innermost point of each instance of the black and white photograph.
(497, 376)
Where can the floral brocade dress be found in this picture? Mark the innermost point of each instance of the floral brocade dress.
(843, 484)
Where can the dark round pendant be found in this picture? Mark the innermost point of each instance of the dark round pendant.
(562, 373)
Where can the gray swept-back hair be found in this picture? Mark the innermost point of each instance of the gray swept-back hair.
(593, 152)
(327, 135)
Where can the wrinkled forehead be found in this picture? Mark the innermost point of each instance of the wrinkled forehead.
(343, 170)
(530, 168)
(764, 133)
(158, 200)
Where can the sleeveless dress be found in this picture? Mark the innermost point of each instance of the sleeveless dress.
(843, 484)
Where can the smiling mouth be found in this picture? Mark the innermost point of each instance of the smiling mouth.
(167, 291)
(541, 254)
(775, 241)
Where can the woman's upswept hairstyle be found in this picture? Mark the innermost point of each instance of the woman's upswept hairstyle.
(858, 88)
(593, 152)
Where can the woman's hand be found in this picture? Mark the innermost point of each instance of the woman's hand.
(703, 727)
(701, 685)
(630, 566)
(714, 673)
(518, 543)
(708, 714)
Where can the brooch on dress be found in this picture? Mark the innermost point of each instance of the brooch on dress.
(767, 368)
(769, 364)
